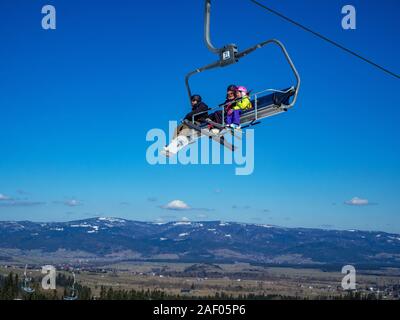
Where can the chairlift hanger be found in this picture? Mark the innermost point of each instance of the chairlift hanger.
(73, 294)
(264, 105)
(229, 54)
(25, 283)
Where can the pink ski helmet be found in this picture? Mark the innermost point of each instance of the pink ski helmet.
(242, 89)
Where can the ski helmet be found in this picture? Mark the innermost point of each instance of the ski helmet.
(196, 98)
(242, 89)
(231, 87)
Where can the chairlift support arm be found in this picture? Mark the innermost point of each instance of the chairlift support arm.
(207, 37)
(229, 54)
(288, 59)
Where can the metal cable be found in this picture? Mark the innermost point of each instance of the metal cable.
(325, 38)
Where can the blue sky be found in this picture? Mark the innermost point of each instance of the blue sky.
(76, 104)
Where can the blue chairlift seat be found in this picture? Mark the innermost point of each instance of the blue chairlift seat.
(267, 105)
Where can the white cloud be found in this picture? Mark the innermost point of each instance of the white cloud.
(72, 203)
(357, 202)
(177, 205)
(4, 197)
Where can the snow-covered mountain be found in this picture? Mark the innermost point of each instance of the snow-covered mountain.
(211, 241)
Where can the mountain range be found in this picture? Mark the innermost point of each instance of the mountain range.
(114, 239)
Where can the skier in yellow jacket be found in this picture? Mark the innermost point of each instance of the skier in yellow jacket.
(243, 103)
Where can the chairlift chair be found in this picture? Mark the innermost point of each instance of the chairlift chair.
(266, 103)
(73, 292)
(26, 281)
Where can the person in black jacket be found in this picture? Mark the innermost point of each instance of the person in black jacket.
(198, 106)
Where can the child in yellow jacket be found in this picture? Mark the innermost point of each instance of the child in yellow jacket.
(243, 103)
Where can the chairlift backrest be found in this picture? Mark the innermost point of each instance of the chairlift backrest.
(277, 98)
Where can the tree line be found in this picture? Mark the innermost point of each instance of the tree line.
(11, 289)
